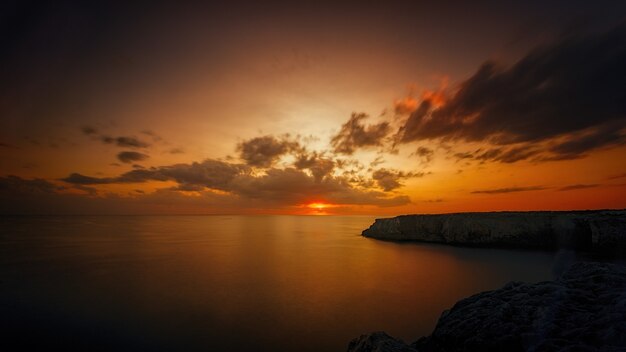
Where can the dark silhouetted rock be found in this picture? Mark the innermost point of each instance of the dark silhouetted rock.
(598, 231)
(584, 310)
(378, 342)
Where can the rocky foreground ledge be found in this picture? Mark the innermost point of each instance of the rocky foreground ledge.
(583, 310)
(594, 231)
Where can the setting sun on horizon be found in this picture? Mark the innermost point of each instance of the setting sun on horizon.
(321, 208)
(318, 206)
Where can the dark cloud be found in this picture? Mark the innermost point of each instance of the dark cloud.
(504, 155)
(155, 137)
(120, 141)
(412, 128)
(404, 106)
(88, 130)
(319, 166)
(130, 142)
(578, 186)
(292, 186)
(78, 179)
(289, 186)
(575, 147)
(214, 174)
(265, 151)
(570, 93)
(463, 155)
(425, 154)
(509, 190)
(20, 197)
(129, 157)
(389, 180)
(189, 188)
(92, 191)
(17, 185)
(125, 142)
(511, 155)
(210, 173)
(176, 151)
(615, 177)
(379, 160)
(351, 164)
(437, 200)
(355, 134)
(490, 154)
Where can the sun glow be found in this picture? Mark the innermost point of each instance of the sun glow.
(318, 206)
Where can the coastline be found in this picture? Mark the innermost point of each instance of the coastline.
(584, 309)
(594, 231)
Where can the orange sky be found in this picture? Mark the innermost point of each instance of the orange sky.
(377, 110)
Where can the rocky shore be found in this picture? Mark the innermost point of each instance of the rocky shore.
(602, 231)
(583, 310)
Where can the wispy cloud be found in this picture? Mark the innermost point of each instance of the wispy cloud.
(355, 134)
(130, 157)
(120, 141)
(389, 180)
(616, 177)
(509, 190)
(578, 186)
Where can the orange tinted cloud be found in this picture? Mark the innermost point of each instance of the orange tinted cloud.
(437, 98)
(405, 106)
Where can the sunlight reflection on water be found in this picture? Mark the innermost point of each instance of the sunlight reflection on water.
(229, 283)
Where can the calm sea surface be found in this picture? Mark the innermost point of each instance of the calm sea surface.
(231, 283)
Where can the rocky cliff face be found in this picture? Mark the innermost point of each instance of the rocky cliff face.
(589, 230)
(584, 310)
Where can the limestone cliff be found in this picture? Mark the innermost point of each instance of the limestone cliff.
(603, 230)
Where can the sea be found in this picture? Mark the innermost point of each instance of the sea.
(232, 283)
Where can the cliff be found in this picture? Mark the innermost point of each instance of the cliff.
(601, 231)
(584, 310)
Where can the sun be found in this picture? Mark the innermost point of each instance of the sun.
(318, 206)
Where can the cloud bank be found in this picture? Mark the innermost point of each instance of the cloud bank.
(287, 186)
(560, 101)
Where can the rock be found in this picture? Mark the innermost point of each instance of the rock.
(598, 231)
(584, 310)
(378, 342)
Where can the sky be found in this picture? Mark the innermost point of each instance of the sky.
(317, 107)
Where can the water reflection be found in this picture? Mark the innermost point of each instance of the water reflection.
(233, 282)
